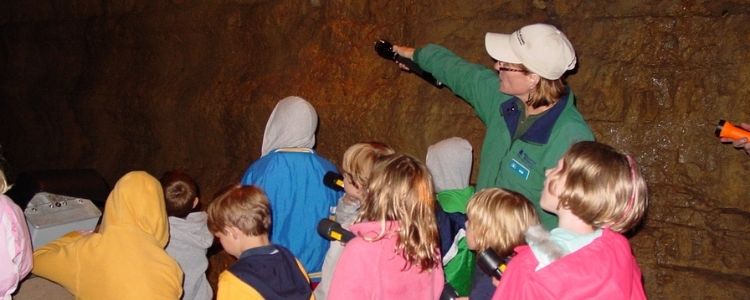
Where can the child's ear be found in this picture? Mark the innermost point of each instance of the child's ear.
(233, 232)
(195, 202)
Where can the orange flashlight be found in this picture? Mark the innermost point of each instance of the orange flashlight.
(726, 129)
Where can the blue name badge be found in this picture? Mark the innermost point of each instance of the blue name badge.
(519, 169)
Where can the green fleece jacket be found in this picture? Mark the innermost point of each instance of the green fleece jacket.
(518, 164)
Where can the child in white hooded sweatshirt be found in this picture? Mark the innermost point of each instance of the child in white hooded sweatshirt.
(291, 174)
(449, 162)
(189, 238)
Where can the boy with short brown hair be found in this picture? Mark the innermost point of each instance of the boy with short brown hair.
(240, 217)
(189, 238)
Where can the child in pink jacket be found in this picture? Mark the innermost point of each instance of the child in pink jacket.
(356, 168)
(15, 246)
(598, 194)
(395, 254)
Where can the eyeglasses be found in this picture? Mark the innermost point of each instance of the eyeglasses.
(500, 67)
(509, 69)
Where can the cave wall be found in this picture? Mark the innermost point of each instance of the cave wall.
(161, 85)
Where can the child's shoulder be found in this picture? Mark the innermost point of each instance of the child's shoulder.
(193, 219)
(197, 217)
(192, 231)
(613, 240)
(286, 159)
(369, 234)
(232, 287)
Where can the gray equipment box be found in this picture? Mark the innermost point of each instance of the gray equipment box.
(50, 216)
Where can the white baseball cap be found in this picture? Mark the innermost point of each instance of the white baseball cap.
(541, 48)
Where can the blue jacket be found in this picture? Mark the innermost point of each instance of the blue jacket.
(293, 182)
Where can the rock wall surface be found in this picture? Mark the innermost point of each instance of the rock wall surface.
(161, 85)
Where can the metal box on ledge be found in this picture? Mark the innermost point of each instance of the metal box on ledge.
(50, 216)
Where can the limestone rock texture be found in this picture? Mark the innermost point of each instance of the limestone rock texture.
(159, 85)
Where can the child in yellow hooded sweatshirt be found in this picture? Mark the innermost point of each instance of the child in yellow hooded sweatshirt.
(126, 258)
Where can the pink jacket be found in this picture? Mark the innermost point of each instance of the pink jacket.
(15, 247)
(373, 270)
(603, 269)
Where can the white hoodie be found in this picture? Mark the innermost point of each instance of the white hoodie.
(449, 162)
(292, 124)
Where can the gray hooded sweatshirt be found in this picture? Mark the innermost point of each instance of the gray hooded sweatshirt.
(189, 240)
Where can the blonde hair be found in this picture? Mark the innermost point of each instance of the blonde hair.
(499, 218)
(3, 183)
(545, 92)
(400, 189)
(244, 207)
(603, 187)
(359, 159)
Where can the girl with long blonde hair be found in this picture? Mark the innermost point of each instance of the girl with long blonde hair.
(395, 252)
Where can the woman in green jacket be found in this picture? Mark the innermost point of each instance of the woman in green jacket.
(529, 112)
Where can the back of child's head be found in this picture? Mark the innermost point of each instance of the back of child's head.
(243, 207)
(498, 219)
(449, 162)
(400, 189)
(603, 187)
(359, 159)
(180, 193)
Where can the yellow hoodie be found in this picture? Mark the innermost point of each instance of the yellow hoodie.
(126, 258)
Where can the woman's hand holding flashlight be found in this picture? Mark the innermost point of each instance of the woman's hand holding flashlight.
(404, 51)
(742, 143)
